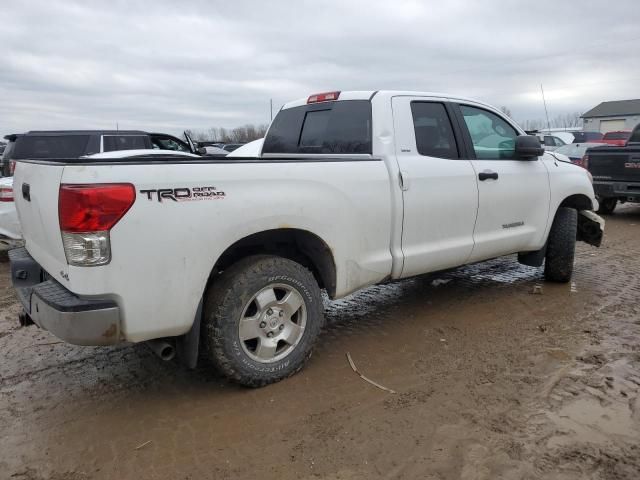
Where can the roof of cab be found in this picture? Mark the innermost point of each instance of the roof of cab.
(85, 132)
(369, 94)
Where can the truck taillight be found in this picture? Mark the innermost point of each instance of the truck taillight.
(86, 214)
(6, 194)
(12, 167)
(323, 97)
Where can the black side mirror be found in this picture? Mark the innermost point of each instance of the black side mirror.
(528, 147)
(202, 150)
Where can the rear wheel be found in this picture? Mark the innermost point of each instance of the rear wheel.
(561, 245)
(261, 319)
(607, 205)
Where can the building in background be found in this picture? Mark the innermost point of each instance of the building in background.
(612, 116)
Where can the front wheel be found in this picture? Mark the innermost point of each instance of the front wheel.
(561, 246)
(607, 205)
(261, 319)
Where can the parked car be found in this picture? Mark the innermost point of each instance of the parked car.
(577, 151)
(350, 189)
(77, 143)
(210, 144)
(618, 138)
(230, 147)
(10, 235)
(214, 151)
(616, 172)
(586, 137)
(566, 137)
(251, 149)
(551, 142)
(141, 153)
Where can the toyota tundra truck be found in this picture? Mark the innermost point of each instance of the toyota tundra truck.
(227, 257)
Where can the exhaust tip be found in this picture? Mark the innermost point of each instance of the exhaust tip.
(167, 353)
(163, 349)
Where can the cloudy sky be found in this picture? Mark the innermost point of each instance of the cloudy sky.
(165, 66)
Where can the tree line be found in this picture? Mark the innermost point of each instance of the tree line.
(567, 120)
(243, 134)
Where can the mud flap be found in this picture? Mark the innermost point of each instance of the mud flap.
(533, 259)
(590, 228)
(187, 345)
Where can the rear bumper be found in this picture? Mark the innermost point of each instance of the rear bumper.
(56, 309)
(629, 191)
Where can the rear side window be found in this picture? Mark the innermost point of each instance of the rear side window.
(111, 143)
(434, 133)
(332, 127)
(50, 146)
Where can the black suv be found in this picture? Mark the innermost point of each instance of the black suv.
(77, 143)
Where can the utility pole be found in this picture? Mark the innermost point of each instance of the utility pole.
(545, 109)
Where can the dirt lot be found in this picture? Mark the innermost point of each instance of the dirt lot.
(493, 381)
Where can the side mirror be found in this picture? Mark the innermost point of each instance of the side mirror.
(528, 147)
(202, 150)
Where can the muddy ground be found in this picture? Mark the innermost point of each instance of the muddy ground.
(493, 381)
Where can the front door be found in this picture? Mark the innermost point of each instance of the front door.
(440, 193)
(513, 194)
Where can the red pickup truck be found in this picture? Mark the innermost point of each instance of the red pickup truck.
(618, 138)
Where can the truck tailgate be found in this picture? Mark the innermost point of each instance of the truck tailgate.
(621, 166)
(36, 188)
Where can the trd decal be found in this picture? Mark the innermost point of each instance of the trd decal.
(184, 194)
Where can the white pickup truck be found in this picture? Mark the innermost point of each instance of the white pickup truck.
(230, 255)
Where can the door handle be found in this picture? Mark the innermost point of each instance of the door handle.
(487, 174)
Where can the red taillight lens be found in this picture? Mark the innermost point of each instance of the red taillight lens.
(323, 97)
(6, 194)
(93, 207)
(12, 167)
(584, 162)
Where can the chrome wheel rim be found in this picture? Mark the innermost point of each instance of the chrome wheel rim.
(272, 323)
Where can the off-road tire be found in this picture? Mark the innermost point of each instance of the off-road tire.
(561, 245)
(607, 205)
(223, 307)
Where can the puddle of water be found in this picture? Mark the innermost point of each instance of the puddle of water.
(586, 421)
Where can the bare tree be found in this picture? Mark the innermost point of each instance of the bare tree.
(243, 134)
(505, 110)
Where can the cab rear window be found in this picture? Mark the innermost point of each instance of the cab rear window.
(331, 127)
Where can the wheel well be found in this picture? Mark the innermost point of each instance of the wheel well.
(578, 201)
(298, 245)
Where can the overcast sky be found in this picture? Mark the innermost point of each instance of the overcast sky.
(165, 66)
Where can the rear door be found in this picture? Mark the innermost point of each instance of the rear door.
(513, 194)
(440, 194)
